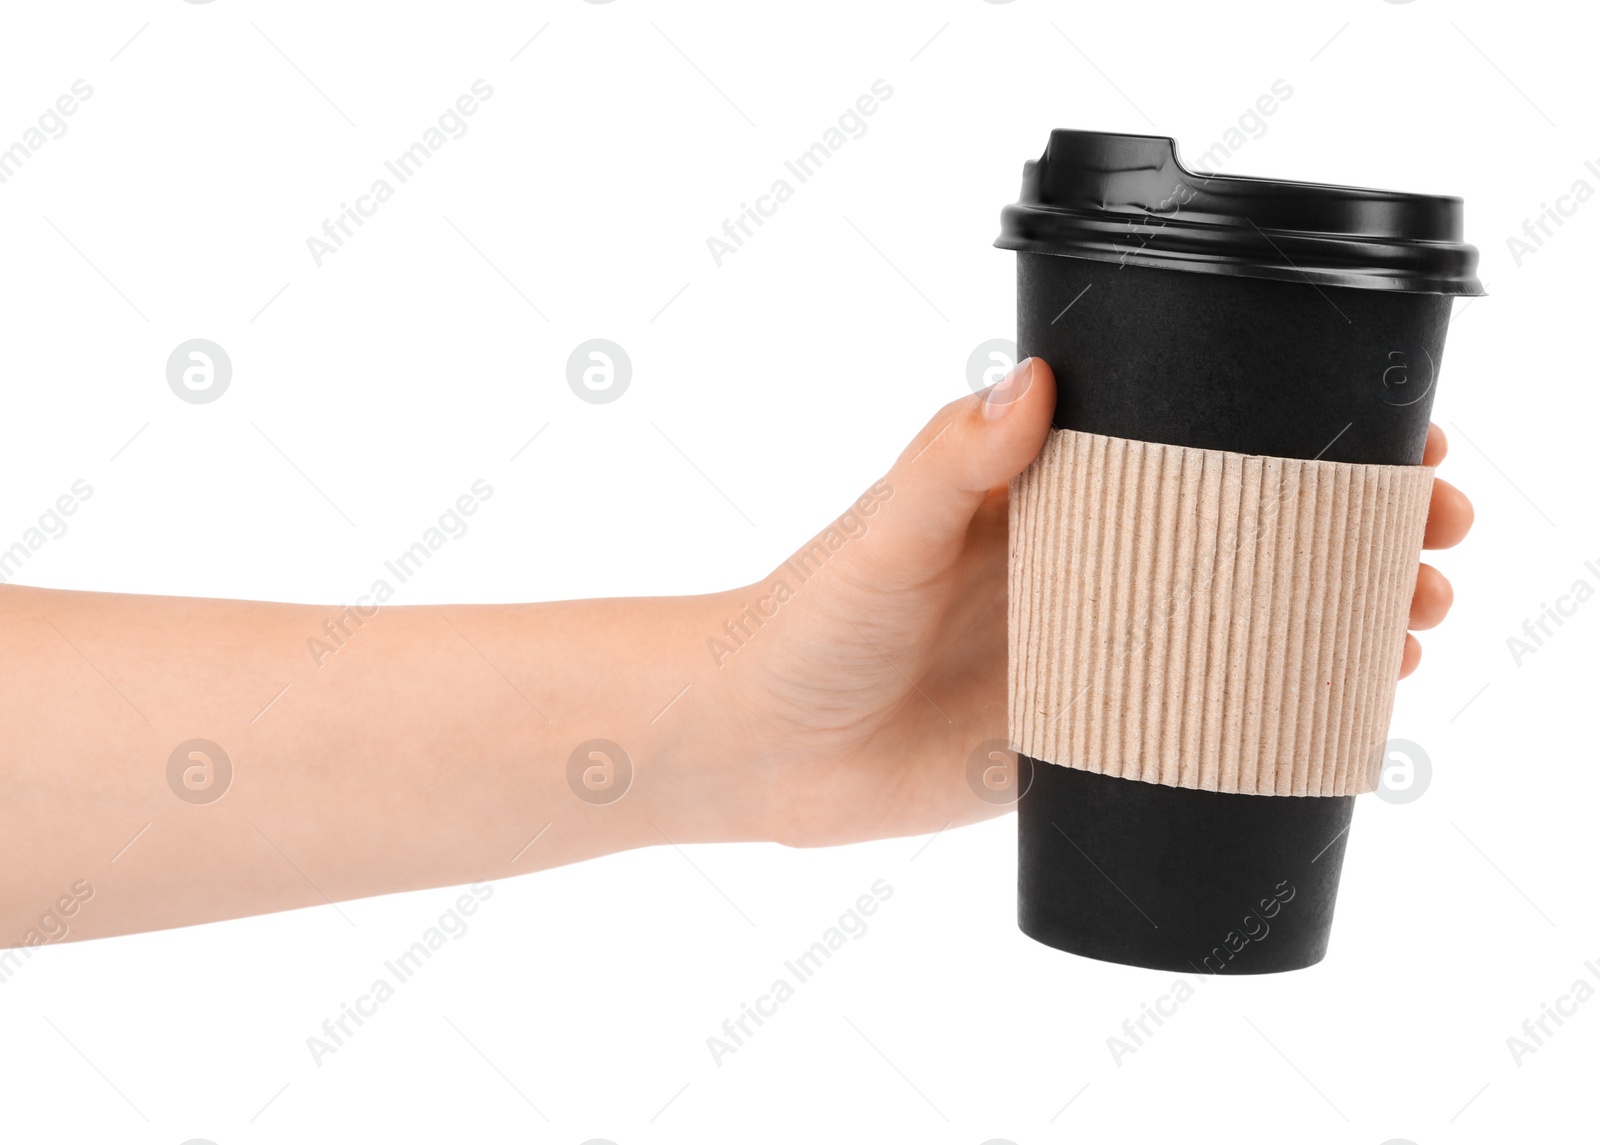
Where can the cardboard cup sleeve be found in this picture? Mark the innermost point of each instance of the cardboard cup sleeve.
(1209, 620)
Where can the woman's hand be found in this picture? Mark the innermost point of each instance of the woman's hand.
(882, 672)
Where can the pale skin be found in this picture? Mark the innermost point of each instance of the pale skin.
(434, 746)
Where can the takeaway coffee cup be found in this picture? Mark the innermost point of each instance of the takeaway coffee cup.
(1212, 560)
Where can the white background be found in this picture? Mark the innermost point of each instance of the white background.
(432, 347)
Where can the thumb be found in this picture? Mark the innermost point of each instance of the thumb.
(938, 484)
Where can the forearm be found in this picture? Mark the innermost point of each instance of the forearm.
(416, 747)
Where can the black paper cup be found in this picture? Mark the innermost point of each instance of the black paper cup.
(1271, 318)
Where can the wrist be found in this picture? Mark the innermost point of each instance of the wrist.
(703, 778)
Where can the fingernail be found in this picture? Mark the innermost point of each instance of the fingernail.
(1004, 393)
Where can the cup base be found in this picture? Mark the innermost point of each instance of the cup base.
(1171, 878)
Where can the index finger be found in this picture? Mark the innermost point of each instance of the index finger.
(1438, 445)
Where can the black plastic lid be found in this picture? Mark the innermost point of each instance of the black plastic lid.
(1128, 199)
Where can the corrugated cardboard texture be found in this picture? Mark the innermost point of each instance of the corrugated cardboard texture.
(1207, 619)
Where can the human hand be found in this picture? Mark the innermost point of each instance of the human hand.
(889, 666)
